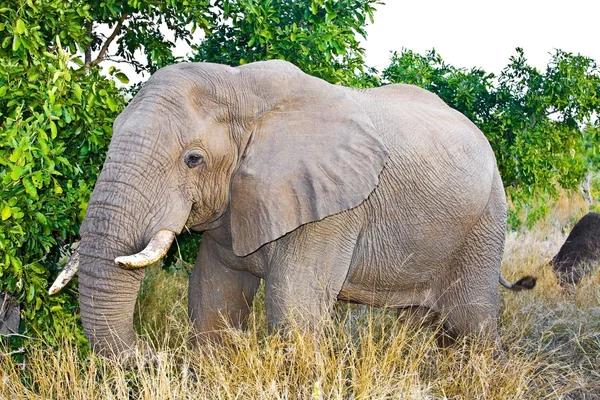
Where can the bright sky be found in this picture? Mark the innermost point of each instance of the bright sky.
(480, 33)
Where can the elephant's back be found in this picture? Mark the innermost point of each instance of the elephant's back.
(409, 116)
(431, 144)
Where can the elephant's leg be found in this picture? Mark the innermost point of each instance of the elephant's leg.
(307, 271)
(217, 294)
(468, 299)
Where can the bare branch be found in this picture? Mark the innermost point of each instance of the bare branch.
(110, 39)
(18, 351)
(118, 60)
(19, 335)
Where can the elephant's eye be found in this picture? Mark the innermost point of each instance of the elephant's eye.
(193, 160)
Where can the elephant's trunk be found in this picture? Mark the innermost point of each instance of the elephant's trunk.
(115, 225)
(107, 296)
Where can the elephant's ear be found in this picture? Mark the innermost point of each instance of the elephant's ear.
(315, 154)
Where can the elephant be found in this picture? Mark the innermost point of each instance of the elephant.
(384, 197)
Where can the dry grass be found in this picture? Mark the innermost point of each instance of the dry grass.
(552, 338)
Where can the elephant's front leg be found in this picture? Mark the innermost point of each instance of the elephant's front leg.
(217, 294)
(307, 270)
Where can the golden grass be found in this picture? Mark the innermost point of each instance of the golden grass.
(551, 336)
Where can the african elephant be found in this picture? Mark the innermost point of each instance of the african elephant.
(383, 196)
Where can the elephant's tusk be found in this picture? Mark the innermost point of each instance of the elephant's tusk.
(156, 249)
(67, 274)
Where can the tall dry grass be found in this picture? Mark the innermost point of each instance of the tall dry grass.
(551, 336)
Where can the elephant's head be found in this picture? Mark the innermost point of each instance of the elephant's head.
(264, 144)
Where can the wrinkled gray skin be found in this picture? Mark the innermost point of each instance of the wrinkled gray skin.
(383, 197)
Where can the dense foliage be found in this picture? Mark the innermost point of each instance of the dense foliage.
(319, 36)
(56, 114)
(54, 130)
(142, 28)
(542, 126)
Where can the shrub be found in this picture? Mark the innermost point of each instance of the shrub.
(55, 128)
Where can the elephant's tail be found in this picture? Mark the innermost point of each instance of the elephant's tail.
(527, 283)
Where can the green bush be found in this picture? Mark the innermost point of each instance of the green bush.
(55, 127)
(318, 36)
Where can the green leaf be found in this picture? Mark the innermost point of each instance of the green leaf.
(20, 27)
(16, 172)
(41, 218)
(111, 104)
(77, 90)
(6, 213)
(37, 179)
(37, 268)
(30, 293)
(53, 130)
(57, 188)
(16, 155)
(30, 188)
(122, 77)
(16, 43)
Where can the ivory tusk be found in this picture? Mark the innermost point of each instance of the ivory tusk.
(156, 249)
(66, 274)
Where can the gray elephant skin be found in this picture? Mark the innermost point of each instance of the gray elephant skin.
(385, 197)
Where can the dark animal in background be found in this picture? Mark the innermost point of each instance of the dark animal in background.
(580, 252)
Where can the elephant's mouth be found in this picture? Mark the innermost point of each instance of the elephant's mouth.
(154, 251)
(213, 223)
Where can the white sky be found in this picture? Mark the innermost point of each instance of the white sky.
(471, 33)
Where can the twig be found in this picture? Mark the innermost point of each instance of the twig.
(112, 37)
(18, 351)
(19, 335)
(117, 60)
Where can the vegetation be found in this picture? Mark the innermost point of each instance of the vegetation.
(56, 113)
(319, 36)
(551, 337)
(141, 28)
(54, 131)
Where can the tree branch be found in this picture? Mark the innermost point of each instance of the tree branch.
(18, 351)
(110, 39)
(117, 60)
(88, 49)
(18, 335)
